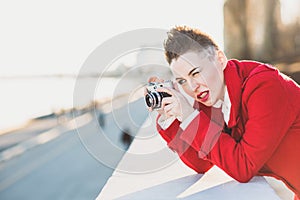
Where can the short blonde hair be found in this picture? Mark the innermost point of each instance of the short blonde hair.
(182, 39)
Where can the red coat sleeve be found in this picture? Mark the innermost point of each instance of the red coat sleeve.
(268, 119)
(186, 152)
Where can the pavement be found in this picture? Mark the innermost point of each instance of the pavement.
(26, 131)
(37, 132)
(71, 159)
(53, 165)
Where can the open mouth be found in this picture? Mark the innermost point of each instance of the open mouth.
(203, 96)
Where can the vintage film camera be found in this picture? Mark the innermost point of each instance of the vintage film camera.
(153, 98)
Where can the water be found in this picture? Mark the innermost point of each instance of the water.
(27, 98)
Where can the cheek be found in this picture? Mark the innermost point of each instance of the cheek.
(216, 82)
(188, 91)
(214, 79)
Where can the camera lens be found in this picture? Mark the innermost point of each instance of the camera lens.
(151, 100)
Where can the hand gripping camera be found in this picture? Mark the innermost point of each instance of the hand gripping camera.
(153, 98)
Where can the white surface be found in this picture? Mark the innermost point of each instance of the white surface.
(173, 180)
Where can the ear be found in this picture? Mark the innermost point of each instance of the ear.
(222, 58)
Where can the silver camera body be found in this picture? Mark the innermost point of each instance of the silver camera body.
(153, 98)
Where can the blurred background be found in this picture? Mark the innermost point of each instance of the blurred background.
(43, 46)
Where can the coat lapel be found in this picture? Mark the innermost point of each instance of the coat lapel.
(234, 81)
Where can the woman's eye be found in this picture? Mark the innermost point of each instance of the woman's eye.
(181, 81)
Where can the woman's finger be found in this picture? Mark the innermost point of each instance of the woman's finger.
(166, 90)
(168, 108)
(166, 101)
(155, 79)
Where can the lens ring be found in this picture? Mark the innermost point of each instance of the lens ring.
(149, 100)
(157, 99)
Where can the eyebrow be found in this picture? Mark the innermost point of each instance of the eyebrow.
(179, 78)
(192, 71)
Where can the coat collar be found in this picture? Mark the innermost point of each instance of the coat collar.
(236, 75)
(233, 80)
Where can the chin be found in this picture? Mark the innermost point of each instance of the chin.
(207, 103)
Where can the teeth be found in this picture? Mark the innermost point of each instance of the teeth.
(202, 95)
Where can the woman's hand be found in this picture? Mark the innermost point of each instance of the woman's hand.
(174, 106)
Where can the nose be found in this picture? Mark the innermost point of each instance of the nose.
(194, 85)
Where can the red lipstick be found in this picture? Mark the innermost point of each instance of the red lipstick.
(203, 96)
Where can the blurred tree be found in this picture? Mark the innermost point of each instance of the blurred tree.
(253, 29)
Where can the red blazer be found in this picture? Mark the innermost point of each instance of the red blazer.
(263, 132)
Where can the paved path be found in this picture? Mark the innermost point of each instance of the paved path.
(67, 166)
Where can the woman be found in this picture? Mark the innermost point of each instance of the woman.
(245, 117)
